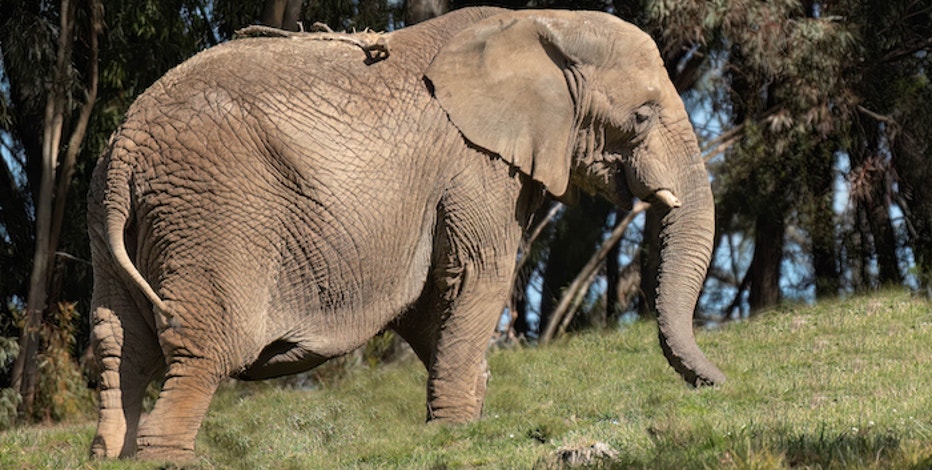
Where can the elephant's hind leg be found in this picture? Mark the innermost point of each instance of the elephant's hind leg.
(194, 372)
(129, 357)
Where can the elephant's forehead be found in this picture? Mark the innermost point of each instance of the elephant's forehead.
(631, 87)
(626, 43)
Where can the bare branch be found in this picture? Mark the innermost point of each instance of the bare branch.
(524, 250)
(573, 295)
(722, 143)
(70, 257)
(910, 49)
(876, 116)
(532, 237)
(736, 302)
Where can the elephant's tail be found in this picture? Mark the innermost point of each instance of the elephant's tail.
(117, 214)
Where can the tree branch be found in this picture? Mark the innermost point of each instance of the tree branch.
(745, 283)
(532, 237)
(66, 168)
(573, 295)
(525, 249)
(876, 116)
(722, 143)
(895, 55)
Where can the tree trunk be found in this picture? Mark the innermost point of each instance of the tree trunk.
(878, 210)
(627, 287)
(283, 14)
(824, 257)
(911, 160)
(612, 274)
(819, 222)
(420, 10)
(650, 265)
(872, 192)
(49, 210)
(765, 264)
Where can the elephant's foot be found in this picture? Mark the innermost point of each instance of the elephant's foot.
(99, 449)
(450, 417)
(453, 408)
(169, 432)
(439, 413)
(116, 435)
(155, 453)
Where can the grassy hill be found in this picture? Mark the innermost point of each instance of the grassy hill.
(845, 384)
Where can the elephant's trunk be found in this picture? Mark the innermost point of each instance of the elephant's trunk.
(686, 238)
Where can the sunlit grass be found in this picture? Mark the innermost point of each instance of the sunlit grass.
(844, 384)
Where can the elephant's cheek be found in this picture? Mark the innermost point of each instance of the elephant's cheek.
(646, 173)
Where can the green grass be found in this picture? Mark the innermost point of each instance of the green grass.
(844, 384)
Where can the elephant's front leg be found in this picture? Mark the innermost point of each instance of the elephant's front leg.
(457, 374)
(473, 264)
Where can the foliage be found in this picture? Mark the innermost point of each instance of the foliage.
(62, 389)
(838, 385)
(9, 398)
(798, 90)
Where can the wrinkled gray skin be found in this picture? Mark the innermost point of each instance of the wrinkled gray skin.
(275, 202)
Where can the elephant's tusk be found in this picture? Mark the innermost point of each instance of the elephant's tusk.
(665, 197)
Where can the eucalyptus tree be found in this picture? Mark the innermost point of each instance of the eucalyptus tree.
(47, 144)
(69, 70)
(889, 134)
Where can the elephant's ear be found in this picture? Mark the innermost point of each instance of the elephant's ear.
(503, 86)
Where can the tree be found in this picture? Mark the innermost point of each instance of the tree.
(282, 14)
(57, 167)
(888, 145)
(576, 235)
(56, 66)
(420, 10)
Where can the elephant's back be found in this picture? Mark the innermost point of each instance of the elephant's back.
(259, 75)
(310, 63)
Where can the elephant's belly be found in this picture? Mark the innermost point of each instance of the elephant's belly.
(318, 337)
(333, 301)
(280, 358)
(301, 337)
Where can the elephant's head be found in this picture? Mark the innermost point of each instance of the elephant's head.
(582, 100)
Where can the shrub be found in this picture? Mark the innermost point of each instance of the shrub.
(62, 391)
(9, 399)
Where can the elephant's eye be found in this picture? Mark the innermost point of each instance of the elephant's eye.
(642, 116)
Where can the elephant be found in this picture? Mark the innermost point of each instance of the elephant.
(274, 202)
